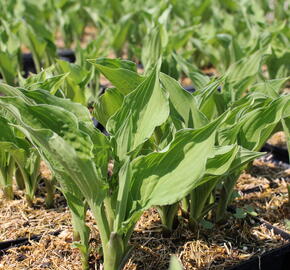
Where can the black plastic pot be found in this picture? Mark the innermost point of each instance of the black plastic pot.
(29, 66)
(278, 153)
(189, 89)
(252, 190)
(276, 259)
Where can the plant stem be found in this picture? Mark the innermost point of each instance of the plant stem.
(29, 200)
(8, 192)
(199, 202)
(226, 195)
(19, 179)
(102, 222)
(167, 215)
(81, 234)
(6, 179)
(50, 189)
(109, 212)
(185, 204)
(113, 252)
(85, 262)
(115, 246)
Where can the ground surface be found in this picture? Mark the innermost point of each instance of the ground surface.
(215, 248)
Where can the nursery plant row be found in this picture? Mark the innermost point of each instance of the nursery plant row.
(189, 34)
(167, 148)
(121, 137)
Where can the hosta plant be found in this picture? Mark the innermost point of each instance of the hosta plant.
(143, 175)
(194, 111)
(15, 150)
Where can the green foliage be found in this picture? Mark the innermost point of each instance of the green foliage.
(168, 148)
(243, 212)
(162, 152)
(17, 150)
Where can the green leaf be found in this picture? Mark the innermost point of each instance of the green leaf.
(287, 223)
(259, 124)
(123, 193)
(8, 68)
(211, 102)
(121, 33)
(199, 80)
(51, 84)
(242, 73)
(56, 132)
(206, 224)
(75, 81)
(270, 88)
(183, 102)
(121, 73)
(278, 65)
(26, 157)
(251, 211)
(76, 72)
(44, 97)
(240, 213)
(179, 169)
(175, 264)
(154, 45)
(142, 110)
(180, 38)
(107, 105)
(225, 160)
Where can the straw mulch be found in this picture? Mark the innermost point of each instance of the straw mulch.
(216, 248)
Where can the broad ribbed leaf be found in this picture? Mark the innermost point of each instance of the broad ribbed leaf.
(43, 97)
(120, 34)
(101, 145)
(228, 131)
(222, 160)
(167, 177)
(26, 157)
(144, 109)
(211, 102)
(55, 131)
(278, 64)
(216, 166)
(8, 90)
(154, 45)
(121, 73)
(242, 73)
(107, 104)
(180, 38)
(199, 80)
(75, 81)
(183, 102)
(246, 67)
(271, 88)
(76, 72)
(259, 124)
(17, 147)
(51, 84)
(123, 194)
(8, 68)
